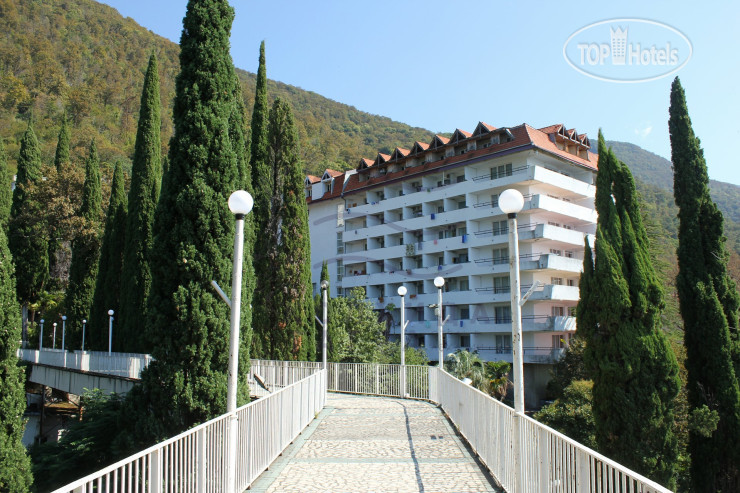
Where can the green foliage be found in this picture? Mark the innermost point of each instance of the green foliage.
(6, 194)
(390, 353)
(193, 236)
(568, 368)
(571, 414)
(107, 285)
(491, 377)
(26, 237)
(355, 335)
(88, 445)
(61, 156)
(263, 182)
(324, 272)
(146, 176)
(283, 314)
(15, 468)
(709, 304)
(634, 371)
(85, 253)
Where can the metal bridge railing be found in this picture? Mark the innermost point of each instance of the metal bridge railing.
(127, 365)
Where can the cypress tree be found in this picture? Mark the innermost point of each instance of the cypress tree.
(262, 184)
(61, 160)
(634, 370)
(61, 157)
(194, 233)
(15, 466)
(6, 193)
(325, 271)
(107, 286)
(27, 237)
(146, 176)
(85, 254)
(291, 306)
(709, 305)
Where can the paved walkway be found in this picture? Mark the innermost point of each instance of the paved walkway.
(376, 444)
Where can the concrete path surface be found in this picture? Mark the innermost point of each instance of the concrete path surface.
(376, 444)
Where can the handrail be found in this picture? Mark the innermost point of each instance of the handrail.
(126, 365)
(195, 460)
(550, 460)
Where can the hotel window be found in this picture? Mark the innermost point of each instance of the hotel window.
(556, 251)
(464, 286)
(558, 311)
(558, 281)
(494, 200)
(500, 255)
(464, 313)
(340, 243)
(340, 270)
(501, 171)
(500, 227)
(503, 343)
(465, 341)
(502, 315)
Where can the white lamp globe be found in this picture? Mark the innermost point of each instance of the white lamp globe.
(84, 321)
(64, 317)
(42, 320)
(324, 284)
(240, 202)
(110, 313)
(511, 201)
(439, 281)
(401, 290)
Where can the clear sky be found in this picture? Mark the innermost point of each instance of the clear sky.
(444, 65)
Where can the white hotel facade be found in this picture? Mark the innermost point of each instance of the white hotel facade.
(432, 210)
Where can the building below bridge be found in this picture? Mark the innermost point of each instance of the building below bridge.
(407, 217)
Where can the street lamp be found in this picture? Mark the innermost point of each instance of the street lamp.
(511, 202)
(54, 337)
(83, 334)
(110, 332)
(240, 204)
(402, 294)
(439, 281)
(324, 289)
(64, 329)
(41, 336)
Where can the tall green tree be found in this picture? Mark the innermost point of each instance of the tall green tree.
(107, 292)
(635, 373)
(709, 305)
(27, 237)
(284, 306)
(83, 270)
(6, 193)
(15, 467)
(146, 178)
(194, 233)
(61, 156)
(262, 184)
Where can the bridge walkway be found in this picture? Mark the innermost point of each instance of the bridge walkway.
(376, 444)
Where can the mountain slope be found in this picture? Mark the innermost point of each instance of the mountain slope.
(85, 59)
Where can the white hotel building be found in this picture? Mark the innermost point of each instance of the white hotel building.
(432, 210)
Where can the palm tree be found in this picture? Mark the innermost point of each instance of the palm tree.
(464, 364)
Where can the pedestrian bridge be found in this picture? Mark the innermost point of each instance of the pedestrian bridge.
(423, 430)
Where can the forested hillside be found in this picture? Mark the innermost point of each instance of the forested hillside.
(85, 59)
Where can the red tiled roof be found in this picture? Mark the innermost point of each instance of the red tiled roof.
(522, 136)
(402, 151)
(313, 179)
(334, 173)
(487, 126)
(367, 162)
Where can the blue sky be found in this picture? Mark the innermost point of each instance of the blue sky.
(443, 65)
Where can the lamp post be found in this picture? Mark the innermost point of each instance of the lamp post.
(511, 202)
(83, 334)
(240, 204)
(439, 281)
(402, 294)
(64, 329)
(41, 336)
(324, 302)
(54, 337)
(110, 332)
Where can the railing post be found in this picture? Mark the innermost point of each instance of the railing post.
(376, 386)
(201, 460)
(518, 453)
(156, 471)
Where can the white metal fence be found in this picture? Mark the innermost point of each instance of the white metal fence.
(551, 462)
(523, 455)
(195, 461)
(128, 365)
